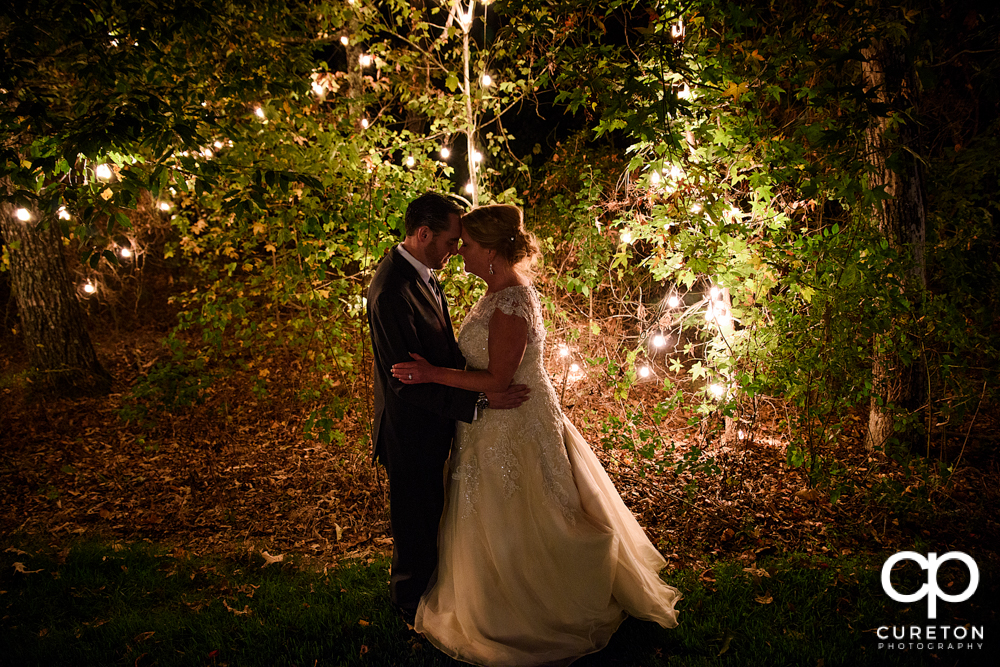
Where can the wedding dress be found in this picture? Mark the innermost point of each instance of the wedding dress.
(539, 558)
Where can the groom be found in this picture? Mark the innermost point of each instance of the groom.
(414, 424)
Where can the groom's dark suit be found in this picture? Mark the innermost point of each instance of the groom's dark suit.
(413, 424)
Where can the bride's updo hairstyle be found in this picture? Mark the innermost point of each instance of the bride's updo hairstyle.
(500, 227)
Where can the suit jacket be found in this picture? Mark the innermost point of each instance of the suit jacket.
(412, 420)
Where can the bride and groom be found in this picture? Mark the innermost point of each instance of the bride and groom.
(524, 553)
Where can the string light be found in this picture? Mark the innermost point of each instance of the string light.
(410, 161)
(673, 301)
(714, 292)
(486, 80)
(89, 287)
(64, 214)
(164, 206)
(208, 153)
(125, 253)
(477, 157)
(365, 60)
(260, 112)
(23, 214)
(319, 90)
(364, 123)
(563, 351)
(469, 188)
(659, 340)
(445, 152)
(574, 368)
(626, 237)
(644, 371)
(218, 145)
(103, 172)
(654, 177)
(717, 390)
(344, 40)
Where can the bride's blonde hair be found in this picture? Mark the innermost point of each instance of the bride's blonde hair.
(500, 227)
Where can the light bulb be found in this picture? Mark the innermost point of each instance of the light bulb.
(103, 172)
(445, 152)
(89, 288)
(563, 351)
(477, 157)
(319, 90)
(644, 371)
(717, 390)
(365, 60)
(218, 145)
(468, 187)
(125, 252)
(654, 177)
(410, 161)
(659, 340)
(344, 40)
(574, 367)
(164, 206)
(260, 112)
(714, 292)
(364, 123)
(673, 302)
(487, 80)
(208, 153)
(626, 236)
(23, 214)
(63, 213)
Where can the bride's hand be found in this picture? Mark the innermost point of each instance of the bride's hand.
(413, 372)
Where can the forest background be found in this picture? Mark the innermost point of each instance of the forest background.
(770, 258)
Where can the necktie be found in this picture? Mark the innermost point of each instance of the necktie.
(436, 291)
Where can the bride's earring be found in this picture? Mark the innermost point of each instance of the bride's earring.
(491, 266)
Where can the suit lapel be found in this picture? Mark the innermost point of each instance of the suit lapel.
(419, 286)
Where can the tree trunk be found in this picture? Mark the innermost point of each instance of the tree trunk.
(902, 221)
(59, 349)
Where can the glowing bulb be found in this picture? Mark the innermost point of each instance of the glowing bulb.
(260, 112)
(218, 145)
(344, 40)
(644, 371)
(659, 340)
(164, 206)
(673, 302)
(103, 172)
(696, 207)
(717, 390)
(715, 292)
(626, 236)
(684, 93)
(709, 313)
(740, 434)
(410, 161)
(654, 177)
(23, 214)
(677, 30)
(125, 252)
(89, 288)
(445, 152)
(319, 90)
(477, 157)
(676, 173)
(365, 60)
(563, 351)
(364, 123)
(469, 188)
(574, 367)
(208, 153)
(63, 213)
(486, 80)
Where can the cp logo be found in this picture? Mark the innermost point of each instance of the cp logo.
(930, 589)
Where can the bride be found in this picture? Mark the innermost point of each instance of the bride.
(539, 558)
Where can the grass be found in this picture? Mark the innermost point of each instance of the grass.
(138, 604)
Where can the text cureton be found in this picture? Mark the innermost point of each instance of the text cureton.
(929, 632)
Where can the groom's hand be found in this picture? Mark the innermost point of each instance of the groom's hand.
(515, 395)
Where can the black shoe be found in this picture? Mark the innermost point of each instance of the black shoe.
(409, 616)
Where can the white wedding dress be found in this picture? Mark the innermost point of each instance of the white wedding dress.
(540, 560)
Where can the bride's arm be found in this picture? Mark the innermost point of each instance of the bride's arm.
(507, 341)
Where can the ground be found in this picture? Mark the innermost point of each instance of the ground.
(235, 472)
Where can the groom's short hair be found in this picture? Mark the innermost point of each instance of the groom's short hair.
(432, 210)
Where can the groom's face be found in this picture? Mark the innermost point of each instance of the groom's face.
(443, 245)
